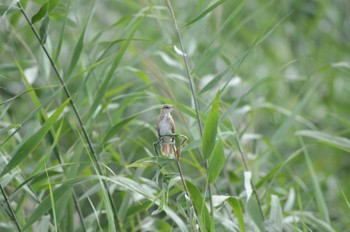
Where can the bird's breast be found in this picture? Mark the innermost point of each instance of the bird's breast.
(164, 126)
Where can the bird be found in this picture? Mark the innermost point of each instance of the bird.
(166, 126)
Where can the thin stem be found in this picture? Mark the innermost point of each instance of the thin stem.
(11, 213)
(86, 136)
(177, 159)
(187, 66)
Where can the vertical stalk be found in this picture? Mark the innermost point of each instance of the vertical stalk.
(187, 66)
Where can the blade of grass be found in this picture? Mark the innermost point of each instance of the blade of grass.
(52, 200)
(238, 211)
(108, 201)
(276, 217)
(334, 141)
(205, 12)
(115, 128)
(32, 142)
(201, 61)
(210, 128)
(321, 203)
(46, 204)
(253, 204)
(217, 162)
(78, 47)
(200, 206)
(274, 172)
(283, 129)
(119, 55)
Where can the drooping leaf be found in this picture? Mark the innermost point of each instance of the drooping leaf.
(271, 175)
(44, 28)
(319, 194)
(115, 63)
(77, 50)
(205, 12)
(200, 206)
(44, 9)
(115, 128)
(275, 222)
(45, 205)
(255, 213)
(253, 207)
(335, 141)
(210, 128)
(217, 162)
(238, 211)
(32, 142)
(150, 161)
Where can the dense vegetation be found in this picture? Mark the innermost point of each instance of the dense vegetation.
(260, 88)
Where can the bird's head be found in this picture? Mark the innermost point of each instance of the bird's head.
(167, 109)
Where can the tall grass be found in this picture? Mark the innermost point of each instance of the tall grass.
(260, 90)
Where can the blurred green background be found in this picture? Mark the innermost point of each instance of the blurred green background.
(283, 68)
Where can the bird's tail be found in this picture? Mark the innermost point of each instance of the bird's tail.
(167, 146)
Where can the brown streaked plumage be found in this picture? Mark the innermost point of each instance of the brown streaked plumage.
(166, 126)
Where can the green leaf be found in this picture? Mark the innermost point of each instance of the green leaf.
(238, 211)
(319, 194)
(44, 28)
(77, 49)
(31, 143)
(335, 141)
(151, 161)
(217, 162)
(205, 12)
(210, 128)
(274, 172)
(52, 199)
(115, 63)
(283, 130)
(199, 205)
(255, 213)
(215, 80)
(44, 9)
(316, 223)
(275, 222)
(45, 205)
(253, 206)
(116, 128)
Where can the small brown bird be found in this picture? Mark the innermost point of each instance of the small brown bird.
(166, 126)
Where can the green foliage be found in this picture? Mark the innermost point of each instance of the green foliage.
(210, 128)
(79, 100)
(200, 207)
(217, 162)
(32, 142)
